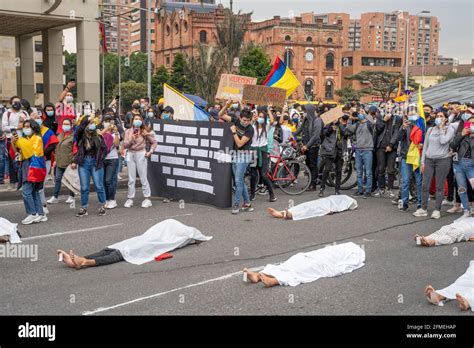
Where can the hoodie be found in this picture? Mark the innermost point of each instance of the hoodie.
(311, 127)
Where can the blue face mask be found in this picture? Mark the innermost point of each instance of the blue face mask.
(92, 127)
(39, 121)
(361, 117)
(412, 118)
(235, 106)
(466, 116)
(27, 131)
(66, 128)
(295, 120)
(50, 113)
(165, 116)
(260, 120)
(438, 121)
(137, 123)
(472, 129)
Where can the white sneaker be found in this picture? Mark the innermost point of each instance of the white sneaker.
(446, 202)
(106, 205)
(455, 209)
(436, 214)
(41, 218)
(52, 200)
(70, 199)
(112, 204)
(146, 203)
(45, 210)
(29, 219)
(128, 203)
(420, 212)
(466, 213)
(119, 177)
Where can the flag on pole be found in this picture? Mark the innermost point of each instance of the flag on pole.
(282, 77)
(184, 108)
(400, 98)
(103, 39)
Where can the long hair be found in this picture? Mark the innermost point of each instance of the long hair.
(262, 110)
(143, 128)
(34, 126)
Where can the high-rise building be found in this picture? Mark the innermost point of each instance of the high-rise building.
(110, 9)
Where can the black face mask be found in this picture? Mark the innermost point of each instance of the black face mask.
(345, 117)
(16, 106)
(136, 106)
(286, 118)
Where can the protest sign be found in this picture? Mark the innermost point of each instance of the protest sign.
(332, 115)
(263, 95)
(232, 86)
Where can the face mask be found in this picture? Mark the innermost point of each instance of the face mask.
(151, 114)
(361, 117)
(466, 116)
(235, 106)
(451, 118)
(87, 112)
(66, 128)
(142, 106)
(92, 127)
(286, 118)
(137, 123)
(39, 121)
(472, 129)
(69, 99)
(50, 113)
(295, 120)
(261, 120)
(136, 106)
(165, 116)
(27, 131)
(438, 121)
(16, 106)
(412, 118)
(106, 125)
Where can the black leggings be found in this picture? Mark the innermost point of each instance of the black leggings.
(328, 164)
(106, 257)
(263, 170)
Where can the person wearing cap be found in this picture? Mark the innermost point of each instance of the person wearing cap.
(463, 165)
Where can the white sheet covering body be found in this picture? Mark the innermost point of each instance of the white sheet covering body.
(9, 229)
(323, 206)
(158, 239)
(465, 225)
(464, 286)
(330, 261)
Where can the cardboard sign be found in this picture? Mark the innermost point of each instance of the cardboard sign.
(232, 86)
(332, 115)
(263, 95)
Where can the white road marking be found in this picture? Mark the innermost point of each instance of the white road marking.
(71, 232)
(172, 216)
(10, 203)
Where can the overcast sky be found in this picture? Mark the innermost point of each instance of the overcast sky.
(456, 17)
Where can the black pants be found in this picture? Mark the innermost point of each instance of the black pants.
(385, 164)
(263, 170)
(106, 257)
(312, 163)
(451, 185)
(328, 163)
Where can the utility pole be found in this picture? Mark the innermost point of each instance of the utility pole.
(149, 53)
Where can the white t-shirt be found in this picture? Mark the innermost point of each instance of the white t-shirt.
(11, 119)
(286, 133)
(263, 139)
(113, 154)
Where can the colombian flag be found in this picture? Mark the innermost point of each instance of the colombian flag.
(49, 138)
(32, 149)
(184, 108)
(282, 77)
(417, 135)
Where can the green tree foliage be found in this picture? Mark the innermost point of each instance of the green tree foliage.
(160, 77)
(255, 63)
(137, 69)
(348, 93)
(131, 90)
(70, 68)
(179, 78)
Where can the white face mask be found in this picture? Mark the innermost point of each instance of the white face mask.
(69, 99)
(87, 111)
(451, 118)
(106, 125)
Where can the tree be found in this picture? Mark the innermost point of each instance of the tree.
(348, 93)
(137, 69)
(255, 63)
(230, 36)
(70, 68)
(131, 90)
(205, 70)
(453, 75)
(380, 82)
(111, 75)
(160, 77)
(179, 78)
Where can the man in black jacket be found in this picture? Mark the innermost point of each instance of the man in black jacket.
(386, 142)
(311, 130)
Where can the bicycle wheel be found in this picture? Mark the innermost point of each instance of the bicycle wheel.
(294, 178)
(349, 179)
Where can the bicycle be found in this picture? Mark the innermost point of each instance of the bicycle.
(348, 168)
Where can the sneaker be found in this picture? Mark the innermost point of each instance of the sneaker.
(119, 177)
(420, 213)
(263, 191)
(41, 218)
(321, 193)
(235, 209)
(52, 200)
(446, 202)
(272, 198)
(146, 203)
(82, 212)
(112, 204)
(69, 200)
(403, 207)
(367, 195)
(400, 203)
(29, 219)
(379, 193)
(252, 197)
(436, 214)
(166, 200)
(357, 194)
(102, 211)
(455, 209)
(311, 188)
(45, 209)
(390, 194)
(247, 207)
(128, 203)
(106, 206)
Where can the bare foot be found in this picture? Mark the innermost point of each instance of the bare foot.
(268, 281)
(463, 303)
(77, 260)
(252, 276)
(66, 258)
(432, 296)
(275, 213)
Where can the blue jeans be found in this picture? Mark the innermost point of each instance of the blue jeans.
(3, 154)
(86, 170)
(31, 198)
(57, 182)
(240, 163)
(363, 160)
(110, 178)
(407, 170)
(464, 170)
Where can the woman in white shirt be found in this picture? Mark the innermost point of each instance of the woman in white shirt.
(263, 123)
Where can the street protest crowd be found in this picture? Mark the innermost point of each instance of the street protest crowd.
(429, 151)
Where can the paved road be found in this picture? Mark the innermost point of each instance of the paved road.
(204, 279)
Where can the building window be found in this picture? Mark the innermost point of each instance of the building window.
(330, 61)
(176, 28)
(203, 36)
(287, 38)
(38, 46)
(309, 39)
(185, 24)
(39, 67)
(39, 88)
(309, 88)
(289, 59)
(329, 40)
(168, 60)
(168, 30)
(329, 90)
